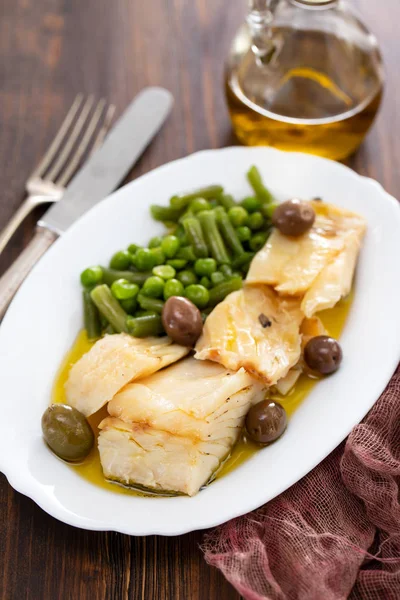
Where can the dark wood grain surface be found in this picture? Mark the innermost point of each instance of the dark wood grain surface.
(49, 51)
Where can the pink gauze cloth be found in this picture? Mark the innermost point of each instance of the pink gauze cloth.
(333, 535)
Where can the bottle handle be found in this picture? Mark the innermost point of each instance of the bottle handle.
(259, 19)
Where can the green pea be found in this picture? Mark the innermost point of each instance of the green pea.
(153, 287)
(197, 294)
(199, 204)
(243, 233)
(121, 260)
(217, 277)
(124, 290)
(187, 277)
(256, 221)
(158, 255)
(205, 266)
(132, 248)
(205, 282)
(92, 276)
(129, 305)
(251, 204)
(164, 271)
(173, 287)
(238, 215)
(145, 259)
(258, 241)
(170, 245)
(177, 263)
(155, 242)
(226, 270)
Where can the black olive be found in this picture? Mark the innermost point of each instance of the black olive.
(323, 354)
(182, 320)
(266, 421)
(293, 217)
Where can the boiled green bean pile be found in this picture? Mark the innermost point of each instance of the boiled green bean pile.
(204, 256)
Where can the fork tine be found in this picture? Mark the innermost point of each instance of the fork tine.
(53, 149)
(83, 146)
(64, 154)
(105, 127)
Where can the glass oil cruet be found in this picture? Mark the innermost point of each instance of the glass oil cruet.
(304, 75)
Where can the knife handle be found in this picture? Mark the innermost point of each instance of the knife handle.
(12, 279)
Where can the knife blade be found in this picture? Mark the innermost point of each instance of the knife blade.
(108, 166)
(100, 175)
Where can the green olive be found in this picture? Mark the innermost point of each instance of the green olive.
(67, 432)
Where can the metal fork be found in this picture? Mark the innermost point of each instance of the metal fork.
(75, 137)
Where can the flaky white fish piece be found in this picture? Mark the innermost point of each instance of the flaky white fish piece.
(171, 431)
(114, 361)
(318, 265)
(256, 329)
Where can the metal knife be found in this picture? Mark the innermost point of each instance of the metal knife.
(99, 176)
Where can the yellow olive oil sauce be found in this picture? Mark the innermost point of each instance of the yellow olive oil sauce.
(90, 469)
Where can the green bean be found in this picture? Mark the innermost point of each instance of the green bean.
(91, 317)
(268, 210)
(187, 253)
(186, 215)
(227, 201)
(212, 236)
(111, 275)
(109, 307)
(92, 276)
(195, 236)
(165, 213)
(145, 313)
(242, 261)
(109, 330)
(121, 260)
(181, 202)
(262, 193)
(228, 232)
(147, 303)
(226, 270)
(149, 325)
(177, 263)
(220, 291)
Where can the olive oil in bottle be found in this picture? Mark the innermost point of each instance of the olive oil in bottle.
(304, 75)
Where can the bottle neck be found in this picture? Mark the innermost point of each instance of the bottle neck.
(314, 4)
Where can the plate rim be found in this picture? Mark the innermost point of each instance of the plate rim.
(76, 520)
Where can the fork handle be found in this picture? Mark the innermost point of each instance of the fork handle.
(15, 275)
(23, 211)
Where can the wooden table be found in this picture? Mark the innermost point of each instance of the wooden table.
(50, 50)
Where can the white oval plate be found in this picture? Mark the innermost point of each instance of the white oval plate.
(45, 317)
